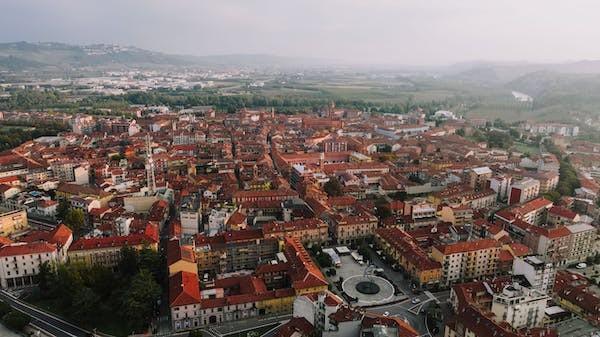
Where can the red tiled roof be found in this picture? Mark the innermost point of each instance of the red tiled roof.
(304, 272)
(177, 253)
(16, 249)
(405, 245)
(562, 212)
(295, 327)
(184, 289)
(467, 246)
(111, 241)
(532, 205)
(301, 224)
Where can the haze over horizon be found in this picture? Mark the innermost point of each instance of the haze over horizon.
(359, 32)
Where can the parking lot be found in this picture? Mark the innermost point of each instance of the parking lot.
(350, 268)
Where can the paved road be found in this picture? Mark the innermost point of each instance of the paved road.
(52, 324)
(412, 312)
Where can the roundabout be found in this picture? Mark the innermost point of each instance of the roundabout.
(368, 289)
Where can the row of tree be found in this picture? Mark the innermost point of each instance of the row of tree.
(13, 134)
(88, 294)
(51, 99)
(568, 180)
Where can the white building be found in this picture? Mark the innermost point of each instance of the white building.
(81, 175)
(539, 273)
(316, 308)
(20, 262)
(581, 243)
(523, 190)
(501, 184)
(520, 306)
(190, 221)
(217, 220)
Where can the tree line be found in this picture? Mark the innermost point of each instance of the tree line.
(95, 295)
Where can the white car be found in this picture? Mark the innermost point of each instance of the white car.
(387, 313)
(415, 300)
(581, 265)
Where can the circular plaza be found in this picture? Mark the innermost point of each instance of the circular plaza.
(368, 289)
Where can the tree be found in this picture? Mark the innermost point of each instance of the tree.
(460, 132)
(75, 219)
(4, 308)
(16, 320)
(150, 260)
(139, 299)
(62, 209)
(85, 303)
(45, 276)
(333, 188)
(129, 263)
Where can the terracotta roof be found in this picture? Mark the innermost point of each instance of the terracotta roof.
(562, 212)
(304, 272)
(295, 327)
(532, 205)
(16, 249)
(408, 248)
(302, 224)
(111, 241)
(184, 289)
(177, 253)
(467, 246)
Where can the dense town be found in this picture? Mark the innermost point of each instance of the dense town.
(338, 222)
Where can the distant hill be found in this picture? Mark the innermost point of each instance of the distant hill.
(52, 56)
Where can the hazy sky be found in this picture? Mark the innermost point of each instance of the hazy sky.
(359, 31)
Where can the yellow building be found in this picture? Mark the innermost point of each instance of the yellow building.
(13, 222)
(65, 191)
(180, 258)
(106, 251)
(467, 260)
(398, 245)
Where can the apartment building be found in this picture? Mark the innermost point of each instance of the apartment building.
(467, 260)
(538, 272)
(403, 249)
(534, 211)
(234, 250)
(348, 228)
(307, 230)
(20, 262)
(523, 190)
(520, 306)
(478, 177)
(106, 251)
(581, 243)
(12, 222)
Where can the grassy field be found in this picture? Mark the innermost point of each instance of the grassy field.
(526, 148)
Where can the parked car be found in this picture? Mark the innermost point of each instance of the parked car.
(415, 300)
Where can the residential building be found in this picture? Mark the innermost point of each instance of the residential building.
(20, 262)
(520, 306)
(13, 222)
(582, 242)
(467, 260)
(307, 230)
(523, 191)
(348, 228)
(539, 273)
(406, 253)
(106, 251)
